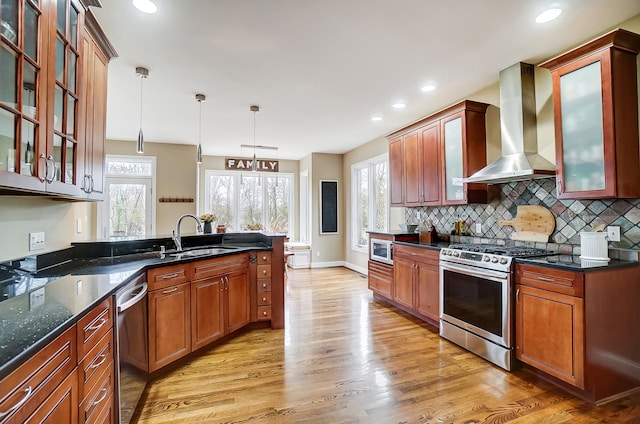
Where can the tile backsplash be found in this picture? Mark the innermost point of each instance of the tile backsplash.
(572, 216)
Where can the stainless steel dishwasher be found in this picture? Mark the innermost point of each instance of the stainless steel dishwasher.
(133, 350)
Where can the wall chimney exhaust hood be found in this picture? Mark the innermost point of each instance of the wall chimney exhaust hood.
(520, 159)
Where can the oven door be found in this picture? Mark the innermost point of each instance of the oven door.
(477, 300)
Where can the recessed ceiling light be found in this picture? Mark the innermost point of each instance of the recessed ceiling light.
(399, 105)
(428, 87)
(376, 118)
(146, 6)
(548, 15)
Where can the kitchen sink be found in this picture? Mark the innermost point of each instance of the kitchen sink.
(203, 252)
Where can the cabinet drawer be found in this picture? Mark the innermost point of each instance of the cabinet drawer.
(218, 266)
(417, 254)
(95, 363)
(264, 312)
(98, 398)
(93, 326)
(264, 271)
(160, 278)
(554, 280)
(263, 258)
(36, 379)
(264, 285)
(264, 298)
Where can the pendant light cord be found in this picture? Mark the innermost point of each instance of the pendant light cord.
(141, 79)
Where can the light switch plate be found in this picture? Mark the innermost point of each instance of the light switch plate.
(478, 228)
(36, 241)
(36, 298)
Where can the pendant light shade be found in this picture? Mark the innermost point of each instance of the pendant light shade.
(200, 98)
(254, 163)
(142, 73)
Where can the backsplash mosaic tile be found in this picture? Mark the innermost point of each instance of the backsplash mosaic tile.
(572, 216)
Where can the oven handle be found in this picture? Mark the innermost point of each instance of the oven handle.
(123, 306)
(480, 274)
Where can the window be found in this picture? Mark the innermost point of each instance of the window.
(370, 200)
(128, 208)
(251, 200)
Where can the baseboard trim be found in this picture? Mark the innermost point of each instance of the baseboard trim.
(356, 268)
(327, 264)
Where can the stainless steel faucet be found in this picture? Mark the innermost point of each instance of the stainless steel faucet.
(176, 233)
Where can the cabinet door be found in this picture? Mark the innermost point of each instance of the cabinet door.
(550, 333)
(453, 160)
(237, 300)
(430, 158)
(428, 288)
(61, 406)
(23, 55)
(403, 276)
(380, 279)
(169, 325)
(412, 169)
(396, 157)
(94, 117)
(207, 318)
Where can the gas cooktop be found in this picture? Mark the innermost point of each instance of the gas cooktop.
(495, 249)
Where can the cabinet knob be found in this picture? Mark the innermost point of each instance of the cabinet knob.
(264, 313)
(264, 258)
(264, 271)
(264, 299)
(264, 285)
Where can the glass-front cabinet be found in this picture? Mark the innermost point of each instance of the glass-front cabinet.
(39, 99)
(596, 118)
(453, 162)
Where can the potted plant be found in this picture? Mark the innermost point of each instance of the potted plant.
(208, 219)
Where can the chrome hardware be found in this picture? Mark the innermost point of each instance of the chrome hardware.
(27, 395)
(103, 321)
(170, 291)
(176, 233)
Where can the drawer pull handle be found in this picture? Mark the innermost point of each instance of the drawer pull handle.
(264, 299)
(264, 271)
(170, 291)
(264, 258)
(541, 278)
(264, 313)
(103, 321)
(97, 364)
(518, 296)
(27, 395)
(104, 391)
(169, 276)
(264, 285)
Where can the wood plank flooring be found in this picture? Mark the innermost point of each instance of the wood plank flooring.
(344, 358)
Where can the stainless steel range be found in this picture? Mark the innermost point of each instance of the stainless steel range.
(477, 298)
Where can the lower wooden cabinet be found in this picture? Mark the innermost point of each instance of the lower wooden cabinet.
(236, 300)
(207, 323)
(550, 333)
(380, 279)
(169, 325)
(428, 285)
(404, 275)
(61, 406)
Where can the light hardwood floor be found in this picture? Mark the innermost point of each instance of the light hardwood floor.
(344, 358)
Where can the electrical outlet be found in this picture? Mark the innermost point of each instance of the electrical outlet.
(79, 225)
(36, 241)
(318, 254)
(478, 228)
(613, 233)
(36, 298)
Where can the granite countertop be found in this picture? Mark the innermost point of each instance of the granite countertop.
(71, 289)
(431, 246)
(574, 263)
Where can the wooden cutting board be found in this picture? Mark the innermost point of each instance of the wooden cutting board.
(532, 223)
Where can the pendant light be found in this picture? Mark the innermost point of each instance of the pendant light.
(200, 98)
(142, 73)
(254, 164)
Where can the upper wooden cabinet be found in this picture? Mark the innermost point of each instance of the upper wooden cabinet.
(595, 97)
(429, 159)
(43, 97)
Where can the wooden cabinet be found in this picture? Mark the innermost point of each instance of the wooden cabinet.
(42, 109)
(32, 390)
(96, 53)
(236, 300)
(595, 101)
(207, 322)
(550, 322)
(416, 280)
(169, 325)
(263, 286)
(380, 279)
(573, 326)
(429, 159)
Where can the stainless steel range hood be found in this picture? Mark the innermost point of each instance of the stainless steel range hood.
(520, 159)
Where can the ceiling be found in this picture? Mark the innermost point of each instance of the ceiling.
(319, 70)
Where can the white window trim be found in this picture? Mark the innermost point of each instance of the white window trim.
(369, 163)
(126, 158)
(237, 175)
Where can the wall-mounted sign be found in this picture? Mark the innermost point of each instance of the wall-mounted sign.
(266, 165)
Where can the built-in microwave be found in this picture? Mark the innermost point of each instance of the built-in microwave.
(381, 250)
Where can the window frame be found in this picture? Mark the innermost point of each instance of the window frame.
(369, 164)
(208, 173)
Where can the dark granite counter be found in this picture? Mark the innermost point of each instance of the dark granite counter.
(77, 283)
(431, 246)
(574, 263)
(393, 233)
